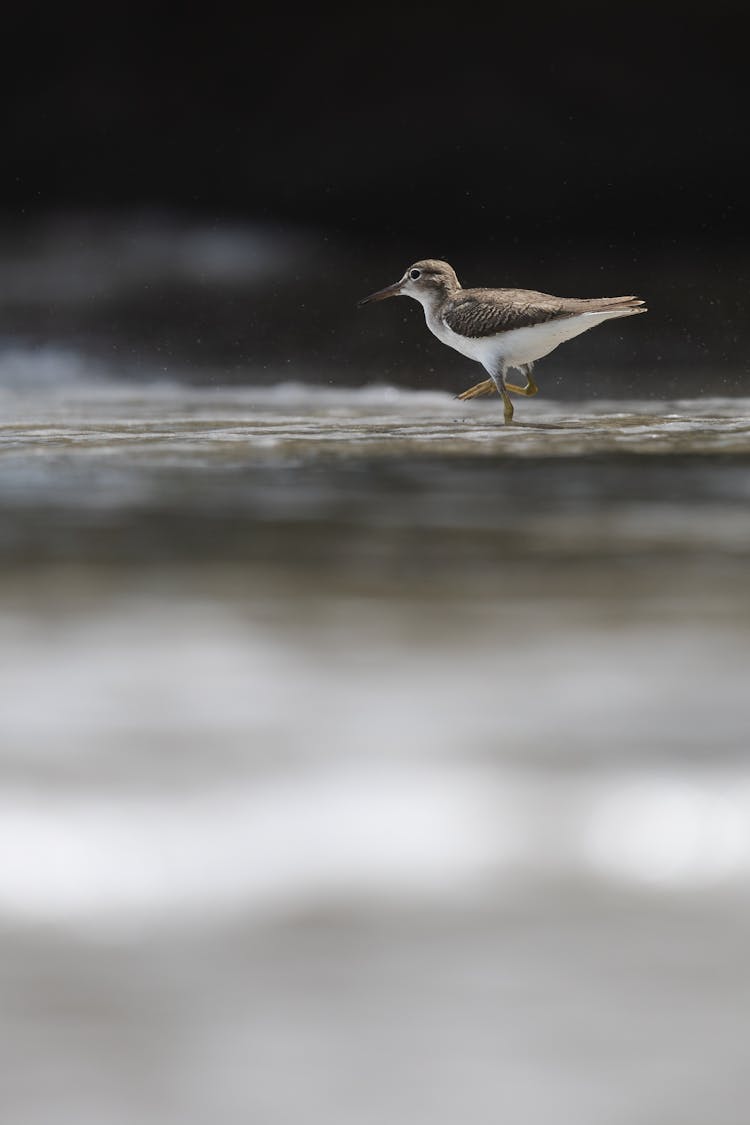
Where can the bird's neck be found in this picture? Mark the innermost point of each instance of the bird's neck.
(433, 299)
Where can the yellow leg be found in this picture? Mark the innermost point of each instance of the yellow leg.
(488, 387)
(530, 388)
(485, 388)
(507, 406)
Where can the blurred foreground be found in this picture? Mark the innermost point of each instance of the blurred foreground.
(366, 760)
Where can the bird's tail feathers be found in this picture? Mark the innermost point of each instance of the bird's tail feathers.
(617, 306)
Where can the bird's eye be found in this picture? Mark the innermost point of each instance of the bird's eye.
(414, 274)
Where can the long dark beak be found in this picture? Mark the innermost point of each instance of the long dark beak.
(389, 291)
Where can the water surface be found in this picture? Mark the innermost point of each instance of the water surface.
(363, 757)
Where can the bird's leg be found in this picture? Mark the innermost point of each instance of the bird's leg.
(530, 388)
(507, 406)
(487, 387)
(499, 381)
(496, 383)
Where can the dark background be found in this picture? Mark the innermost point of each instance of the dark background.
(586, 150)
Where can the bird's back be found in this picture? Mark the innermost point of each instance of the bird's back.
(486, 312)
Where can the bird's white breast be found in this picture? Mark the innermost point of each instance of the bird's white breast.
(473, 347)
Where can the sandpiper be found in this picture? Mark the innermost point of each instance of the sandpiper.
(500, 328)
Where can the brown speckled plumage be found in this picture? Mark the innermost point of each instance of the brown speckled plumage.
(485, 312)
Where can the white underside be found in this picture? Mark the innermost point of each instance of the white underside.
(521, 345)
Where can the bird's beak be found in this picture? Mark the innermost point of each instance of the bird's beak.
(389, 291)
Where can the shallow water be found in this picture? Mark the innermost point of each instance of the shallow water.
(354, 737)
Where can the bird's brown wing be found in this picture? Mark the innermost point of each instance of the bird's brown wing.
(485, 312)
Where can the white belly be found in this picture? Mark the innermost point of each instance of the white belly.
(521, 345)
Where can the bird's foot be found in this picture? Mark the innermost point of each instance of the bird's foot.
(487, 387)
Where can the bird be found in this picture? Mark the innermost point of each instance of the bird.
(500, 328)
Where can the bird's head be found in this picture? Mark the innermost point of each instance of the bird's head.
(425, 281)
